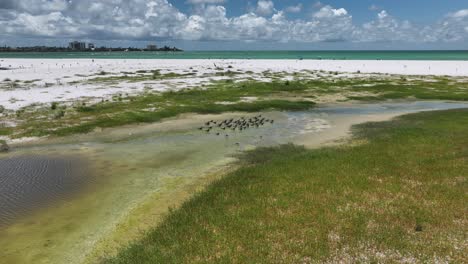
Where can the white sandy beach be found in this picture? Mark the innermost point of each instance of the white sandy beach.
(63, 79)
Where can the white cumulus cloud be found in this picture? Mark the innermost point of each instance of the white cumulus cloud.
(460, 14)
(328, 12)
(294, 9)
(265, 7)
(159, 19)
(198, 2)
(451, 28)
(387, 28)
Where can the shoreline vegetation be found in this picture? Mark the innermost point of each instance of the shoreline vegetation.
(234, 93)
(97, 49)
(394, 193)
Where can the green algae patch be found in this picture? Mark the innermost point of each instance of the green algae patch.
(149, 213)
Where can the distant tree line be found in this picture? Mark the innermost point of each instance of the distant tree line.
(67, 49)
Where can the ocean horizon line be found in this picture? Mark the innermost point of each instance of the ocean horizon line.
(442, 55)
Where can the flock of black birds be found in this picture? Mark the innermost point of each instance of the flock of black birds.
(232, 124)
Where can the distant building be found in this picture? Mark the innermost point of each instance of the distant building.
(151, 47)
(76, 45)
(91, 46)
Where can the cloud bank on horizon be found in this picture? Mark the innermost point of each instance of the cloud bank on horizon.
(207, 20)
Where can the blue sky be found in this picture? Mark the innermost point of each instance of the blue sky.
(239, 24)
(420, 11)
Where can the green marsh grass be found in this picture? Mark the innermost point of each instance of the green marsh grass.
(229, 95)
(138, 77)
(133, 109)
(397, 192)
(5, 131)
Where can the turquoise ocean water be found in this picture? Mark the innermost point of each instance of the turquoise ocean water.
(293, 55)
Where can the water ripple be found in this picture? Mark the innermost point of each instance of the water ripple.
(31, 182)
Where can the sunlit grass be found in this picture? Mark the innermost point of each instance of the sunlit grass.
(399, 195)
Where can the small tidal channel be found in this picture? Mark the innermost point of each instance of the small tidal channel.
(64, 200)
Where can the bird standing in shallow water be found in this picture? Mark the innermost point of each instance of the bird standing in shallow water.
(241, 124)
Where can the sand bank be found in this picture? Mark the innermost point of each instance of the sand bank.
(47, 80)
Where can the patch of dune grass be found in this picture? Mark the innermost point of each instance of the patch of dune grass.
(136, 77)
(437, 90)
(5, 131)
(399, 195)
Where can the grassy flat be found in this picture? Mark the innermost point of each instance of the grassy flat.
(61, 120)
(396, 193)
(299, 93)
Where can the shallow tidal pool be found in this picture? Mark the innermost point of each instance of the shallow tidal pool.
(78, 198)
